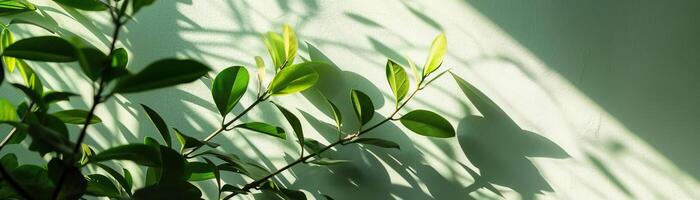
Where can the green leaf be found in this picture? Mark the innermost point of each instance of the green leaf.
(43, 48)
(87, 154)
(92, 61)
(89, 5)
(264, 128)
(74, 185)
(34, 177)
(187, 142)
(337, 115)
(290, 44)
(9, 161)
(174, 168)
(363, 106)
(217, 174)
(398, 80)
(275, 46)
(160, 74)
(437, 53)
(295, 78)
(48, 135)
(120, 58)
(428, 123)
(33, 96)
(141, 154)
(159, 123)
(180, 190)
(101, 186)
(313, 145)
(7, 111)
(56, 96)
(75, 116)
(31, 79)
(376, 142)
(138, 4)
(261, 72)
(228, 88)
(294, 122)
(327, 197)
(328, 161)
(120, 179)
(200, 171)
(6, 39)
(10, 7)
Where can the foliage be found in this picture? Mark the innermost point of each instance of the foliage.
(172, 168)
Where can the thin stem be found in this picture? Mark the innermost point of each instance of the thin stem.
(12, 132)
(343, 141)
(11, 181)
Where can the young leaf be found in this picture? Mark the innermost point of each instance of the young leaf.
(264, 128)
(141, 154)
(43, 48)
(363, 106)
(428, 123)
(290, 44)
(6, 39)
(120, 179)
(376, 142)
(31, 79)
(295, 78)
(294, 121)
(75, 116)
(159, 123)
(160, 74)
(437, 53)
(100, 186)
(228, 88)
(261, 72)
(119, 58)
(398, 80)
(275, 46)
(7, 111)
(89, 5)
(92, 61)
(10, 7)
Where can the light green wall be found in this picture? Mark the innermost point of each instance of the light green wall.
(592, 77)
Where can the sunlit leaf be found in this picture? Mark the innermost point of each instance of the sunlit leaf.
(31, 79)
(119, 58)
(7, 111)
(290, 44)
(141, 154)
(200, 171)
(10, 7)
(43, 48)
(376, 142)
(75, 116)
(295, 78)
(6, 39)
(261, 71)
(264, 128)
(337, 115)
(275, 47)
(428, 123)
(363, 106)
(160, 74)
(398, 80)
(159, 123)
(228, 88)
(437, 53)
(101, 186)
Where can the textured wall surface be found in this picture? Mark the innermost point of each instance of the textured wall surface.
(614, 84)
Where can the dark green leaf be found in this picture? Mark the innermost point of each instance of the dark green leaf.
(327, 197)
(295, 78)
(43, 48)
(49, 135)
(313, 145)
(363, 106)
(337, 116)
(217, 173)
(10, 7)
(90, 5)
(9, 161)
(141, 154)
(398, 80)
(179, 190)
(75, 116)
(200, 171)
(376, 142)
(55, 96)
(34, 177)
(160, 74)
(138, 4)
(92, 61)
(428, 123)
(120, 58)
(228, 88)
(159, 123)
(33, 96)
(264, 128)
(187, 142)
(74, 184)
(101, 186)
(120, 179)
(294, 122)
(174, 168)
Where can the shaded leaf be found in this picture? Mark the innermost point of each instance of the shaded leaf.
(294, 122)
(437, 53)
(56, 96)
(328, 161)
(31, 176)
(228, 88)
(180, 190)
(89, 5)
(174, 168)
(92, 61)
(159, 123)
(43, 48)
(398, 80)
(9, 161)
(160, 74)
(75, 116)
(141, 154)
(264, 128)
(428, 123)
(48, 135)
(187, 142)
(295, 78)
(126, 185)
(376, 142)
(101, 186)
(363, 106)
(74, 184)
(200, 171)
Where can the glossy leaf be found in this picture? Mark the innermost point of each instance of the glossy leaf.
(200, 171)
(228, 88)
(6, 39)
(118, 177)
(363, 106)
(294, 122)
(10, 7)
(160, 74)
(141, 154)
(376, 142)
(101, 186)
(89, 5)
(275, 47)
(264, 128)
(159, 123)
(75, 116)
(398, 80)
(436, 55)
(428, 123)
(43, 48)
(7, 111)
(92, 61)
(120, 58)
(290, 44)
(295, 78)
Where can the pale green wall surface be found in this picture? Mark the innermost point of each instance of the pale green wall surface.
(579, 74)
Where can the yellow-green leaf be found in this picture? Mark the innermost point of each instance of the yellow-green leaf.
(398, 80)
(295, 78)
(290, 44)
(437, 53)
